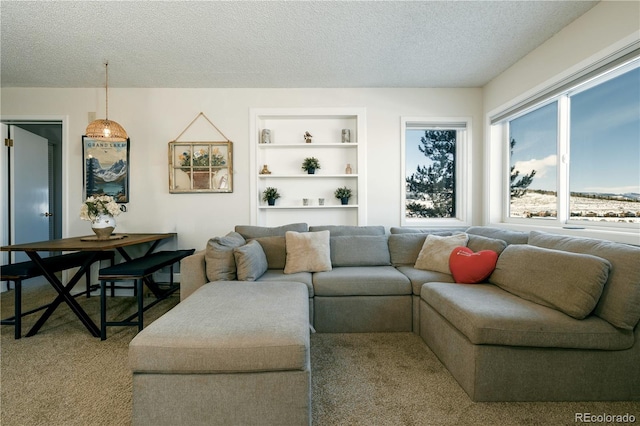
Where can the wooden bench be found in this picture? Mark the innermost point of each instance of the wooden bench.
(138, 270)
(18, 272)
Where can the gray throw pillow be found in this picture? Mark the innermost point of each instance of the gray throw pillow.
(250, 261)
(220, 264)
(568, 282)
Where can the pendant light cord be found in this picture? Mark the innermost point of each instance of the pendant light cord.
(106, 90)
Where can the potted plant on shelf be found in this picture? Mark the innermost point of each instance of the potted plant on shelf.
(343, 194)
(270, 195)
(310, 164)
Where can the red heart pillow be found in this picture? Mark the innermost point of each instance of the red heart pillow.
(468, 267)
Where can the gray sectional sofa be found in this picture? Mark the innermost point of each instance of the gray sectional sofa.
(556, 320)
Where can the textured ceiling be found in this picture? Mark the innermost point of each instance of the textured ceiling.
(272, 43)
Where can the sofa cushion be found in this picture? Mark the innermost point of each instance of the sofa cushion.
(220, 264)
(488, 315)
(511, 237)
(569, 282)
(361, 281)
(436, 231)
(360, 250)
(478, 243)
(404, 248)
(418, 277)
(252, 231)
(275, 250)
(251, 261)
(299, 277)
(620, 300)
(227, 327)
(343, 230)
(471, 267)
(307, 252)
(435, 252)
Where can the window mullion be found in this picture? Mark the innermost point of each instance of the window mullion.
(563, 159)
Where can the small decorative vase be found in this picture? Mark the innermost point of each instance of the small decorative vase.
(311, 171)
(344, 200)
(346, 135)
(103, 226)
(266, 136)
(271, 201)
(348, 169)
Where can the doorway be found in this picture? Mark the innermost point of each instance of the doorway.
(48, 133)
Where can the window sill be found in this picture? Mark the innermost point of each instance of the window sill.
(627, 236)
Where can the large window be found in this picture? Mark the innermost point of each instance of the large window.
(604, 172)
(434, 172)
(575, 157)
(533, 144)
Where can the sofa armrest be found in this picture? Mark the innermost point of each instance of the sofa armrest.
(192, 274)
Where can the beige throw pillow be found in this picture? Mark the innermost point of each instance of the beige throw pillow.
(307, 252)
(435, 252)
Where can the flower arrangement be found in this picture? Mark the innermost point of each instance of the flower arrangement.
(201, 158)
(95, 206)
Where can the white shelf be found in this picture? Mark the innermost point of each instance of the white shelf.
(306, 176)
(306, 145)
(285, 153)
(336, 206)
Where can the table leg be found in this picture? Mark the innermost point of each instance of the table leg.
(63, 296)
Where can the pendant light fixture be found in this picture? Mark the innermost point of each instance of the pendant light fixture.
(105, 129)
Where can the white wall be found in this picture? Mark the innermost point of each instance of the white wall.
(605, 27)
(154, 117)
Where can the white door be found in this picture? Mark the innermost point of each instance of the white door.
(29, 167)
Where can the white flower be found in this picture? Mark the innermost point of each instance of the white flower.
(96, 206)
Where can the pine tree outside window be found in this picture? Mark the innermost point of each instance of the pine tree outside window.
(435, 172)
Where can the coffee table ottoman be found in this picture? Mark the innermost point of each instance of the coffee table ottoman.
(232, 353)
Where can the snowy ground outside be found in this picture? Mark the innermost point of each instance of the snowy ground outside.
(534, 204)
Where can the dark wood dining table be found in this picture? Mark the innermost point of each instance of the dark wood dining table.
(88, 244)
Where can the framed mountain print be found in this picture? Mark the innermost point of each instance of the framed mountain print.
(106, 168)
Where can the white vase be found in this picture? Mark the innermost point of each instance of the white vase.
(103, 226)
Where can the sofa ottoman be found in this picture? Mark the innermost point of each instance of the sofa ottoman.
(231, 353)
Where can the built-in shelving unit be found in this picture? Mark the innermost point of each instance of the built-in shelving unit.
(285, 153)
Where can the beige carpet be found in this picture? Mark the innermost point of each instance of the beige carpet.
(63, 376)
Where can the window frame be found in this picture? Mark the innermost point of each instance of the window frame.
(463, 173)
(498, 155)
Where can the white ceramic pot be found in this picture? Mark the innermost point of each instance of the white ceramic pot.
(103, 226)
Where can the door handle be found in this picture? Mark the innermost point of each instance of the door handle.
(47, 214)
